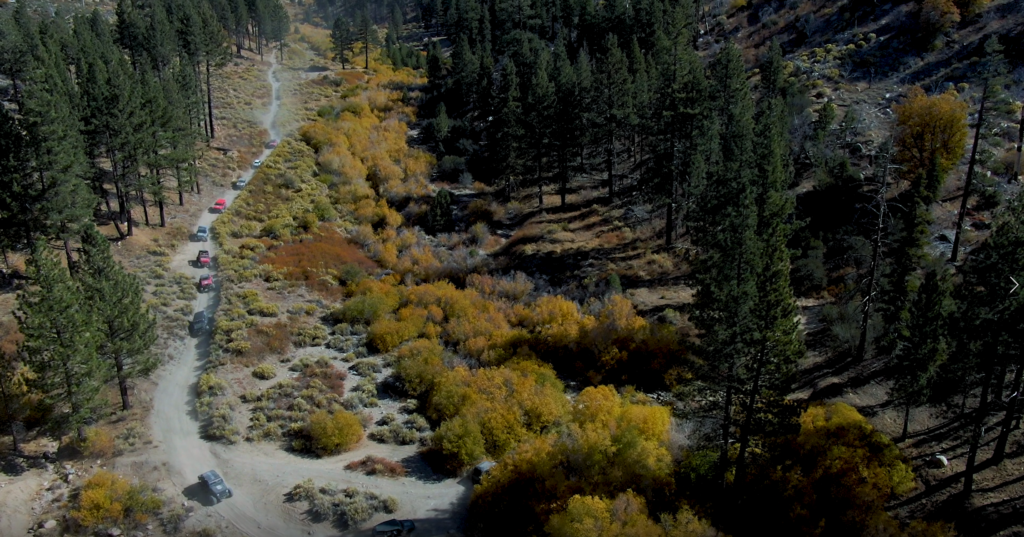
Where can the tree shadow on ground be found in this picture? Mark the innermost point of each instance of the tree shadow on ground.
(416, 467)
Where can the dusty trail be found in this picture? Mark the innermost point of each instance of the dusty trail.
(260, 475)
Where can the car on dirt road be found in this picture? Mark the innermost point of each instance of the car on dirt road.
(394, 527)
(216, 485)
(205, 282)
(272, 144)
(200, 323)
(219, 205)
(202, 233)
(256, 163)
(203, 258)
(240, 184)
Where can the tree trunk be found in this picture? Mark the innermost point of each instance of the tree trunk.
(8, 414)
(209, 98)
(670, 215)
(1020, 145)
(145, 208)
(748, 419)
(976, 430)
(563, 176)
(906, 422)
(67, 252)
(131, 225)
(163, 218)
(1011, 410)
(997, 386)
(723, 454)
(122, 383)
(876, 248)
(970, 176)
(611, 168)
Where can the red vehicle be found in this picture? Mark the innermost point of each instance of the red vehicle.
(272, 144)
(219, 205)
(205, 282)
(203, 259)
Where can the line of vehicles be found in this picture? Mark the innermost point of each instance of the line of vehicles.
(201, 323)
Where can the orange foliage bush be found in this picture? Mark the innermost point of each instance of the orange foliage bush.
(311, 260)
(930, 130)
(371, 465)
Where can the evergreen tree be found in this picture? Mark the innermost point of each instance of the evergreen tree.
(562, 116)
(779, 344)
(19, 192)
(730, 263)
(59, 163)
(367, 34)
(507, 142)
(540, 105)
(614, 103)
(922, 350)
(60, 341)
(343, 39)
(125, 328)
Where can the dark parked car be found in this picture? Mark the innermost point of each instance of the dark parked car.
(394, 527)
(216, 485)
(203, 258)
(479, 470)
(202, 233)
(205, 282)
(200, 323)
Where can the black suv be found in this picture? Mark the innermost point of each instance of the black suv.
(200, 323)
(216, 485)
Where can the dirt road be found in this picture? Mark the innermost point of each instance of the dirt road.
(261, 474)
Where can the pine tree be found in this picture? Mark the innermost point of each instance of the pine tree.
(727, 271)
(779, 344)
(507, 142)
(540, 104)
(125, 328)
(614, 103)
(19, 191)
(342, 39)
(918, 356)
(60, 341)
(58, 151)
(562, 116)
(367, 33)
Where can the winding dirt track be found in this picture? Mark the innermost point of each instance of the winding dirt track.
(260, 474)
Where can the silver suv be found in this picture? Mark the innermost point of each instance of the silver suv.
(202, 233)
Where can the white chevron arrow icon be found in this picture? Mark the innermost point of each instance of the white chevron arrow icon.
(1015, 284)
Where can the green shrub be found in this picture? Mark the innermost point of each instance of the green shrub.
(264, 372)
(365, 368)
(209, 384)
(311, 336)
(333, 433)
(394, 433)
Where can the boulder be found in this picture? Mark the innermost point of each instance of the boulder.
(938, 461)
(49, 524)
(114, 532)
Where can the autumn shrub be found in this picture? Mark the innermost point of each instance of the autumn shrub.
(372, 465)
(834, 477)
(107, 500)
(372, 300)
(264, 372)
(330, 434)
(419, 365)
(931, 131)
(328, 254)
(609, 445)
(98, 443)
